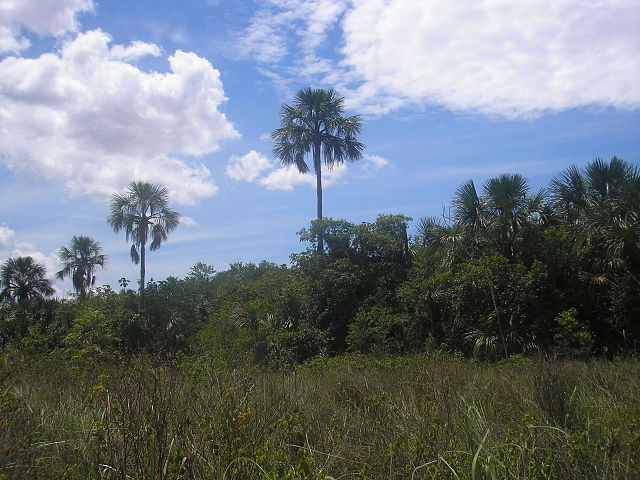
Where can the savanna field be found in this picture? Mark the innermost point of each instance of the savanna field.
(430, 416)
(463, 178)
(499, 343)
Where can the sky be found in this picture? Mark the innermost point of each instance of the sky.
(95, 94)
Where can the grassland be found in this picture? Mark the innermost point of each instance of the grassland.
(348, 417)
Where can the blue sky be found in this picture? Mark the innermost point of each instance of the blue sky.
(95, 94)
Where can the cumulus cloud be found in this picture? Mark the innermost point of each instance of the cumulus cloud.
(257, 168)
(133, 52)
(492, 57)
(86, 117)
(248, 167)
(287, 178)
(44, 17)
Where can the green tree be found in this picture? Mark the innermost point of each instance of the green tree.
(602, 202)
(143, 213)
(23, 278)
(315, 124)
(505, 219)
(79, 261)
(511, 212)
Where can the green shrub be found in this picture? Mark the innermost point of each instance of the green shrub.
(572, 338)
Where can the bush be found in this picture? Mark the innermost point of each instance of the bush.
(572, 339)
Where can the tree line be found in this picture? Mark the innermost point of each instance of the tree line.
(504, 271)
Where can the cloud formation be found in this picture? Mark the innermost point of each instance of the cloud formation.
(87, 117)
(248, 167)
(257, 168)
(44, 17)
(492, 57)
(267, 38)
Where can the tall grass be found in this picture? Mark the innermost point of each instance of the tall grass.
(350, 417)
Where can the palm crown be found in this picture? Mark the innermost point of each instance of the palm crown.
(22, 278)
(80, 261)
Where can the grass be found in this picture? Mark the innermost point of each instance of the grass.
(349, 417)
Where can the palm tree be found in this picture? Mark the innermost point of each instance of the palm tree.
(22, 278)
(315, 124)
(511, 211)
(504, 217)
(79, 262)
(142, 213)
(604, 202)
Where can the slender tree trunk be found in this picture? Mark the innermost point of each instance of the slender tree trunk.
(318, 168)
(142, 269)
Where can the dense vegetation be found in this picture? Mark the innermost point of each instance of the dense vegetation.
(508, 271)
(348, 361)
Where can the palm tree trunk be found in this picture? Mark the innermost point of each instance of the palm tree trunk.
(142, 269)
(318, 168)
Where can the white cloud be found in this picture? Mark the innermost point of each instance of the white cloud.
(133, 52)
(248, 167)
(87, 118)
(491, 57)
(188, 221)
(257, 168)
(374, 162)
(267, 37)
(286, 178)
(44, 17)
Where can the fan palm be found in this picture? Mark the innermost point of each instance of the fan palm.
(315, 124)
(452, 240)
(80, 261)
(569, 194)
(23, 278)
(510, 211)
(605, 211)
(143, 213)
(501, 217)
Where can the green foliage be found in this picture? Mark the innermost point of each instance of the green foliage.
(79, 261)
(360, 265)
(377, 330)
(571, 338)
(507, 274)
(93, 334)
(488, 306)
(22, 279)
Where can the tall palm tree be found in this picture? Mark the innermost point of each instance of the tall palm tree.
(315, 123)
(22, 278)
(79, 261)
(143, 214)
